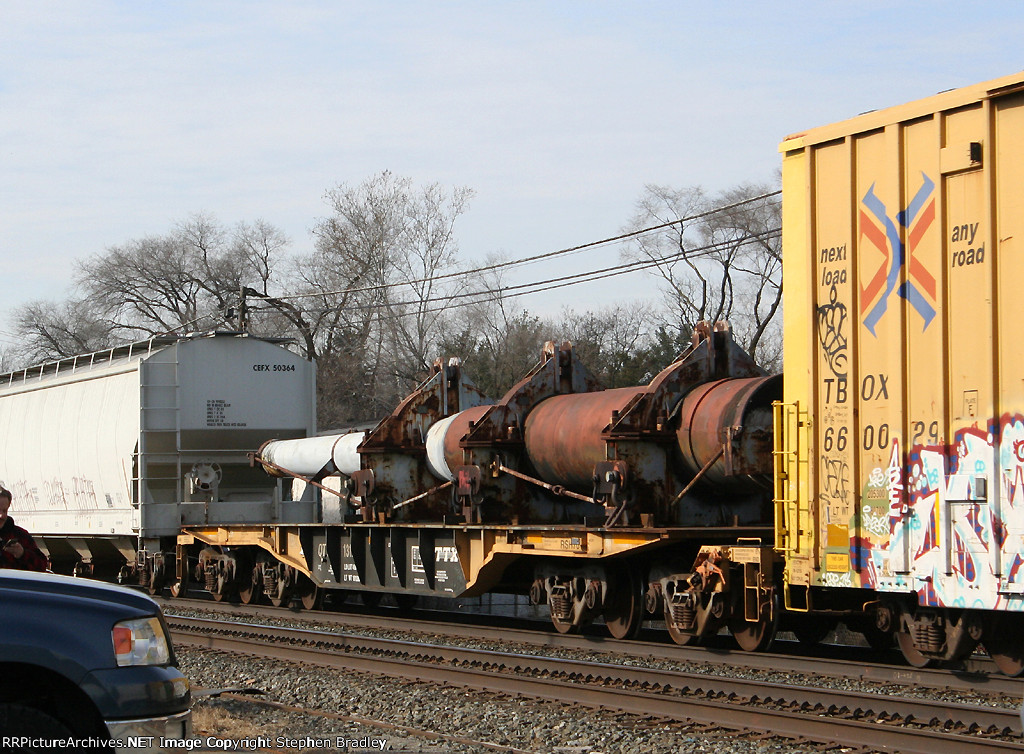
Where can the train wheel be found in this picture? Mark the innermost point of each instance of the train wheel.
(1007, 656)
(683, 638)
(282, 599)
(250, 593)
(564, 626)
(1002, 642)
(179, 588)
(911, 653)
(313, 599)
(155, 575)
(250, 588)
(755, 637)
(310, 595)
(282, 579)
(624, 606)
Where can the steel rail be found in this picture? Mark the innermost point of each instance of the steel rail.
(978, 676)
(638, 691)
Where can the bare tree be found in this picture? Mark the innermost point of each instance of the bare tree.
(497, 339)
(186, 279)
(144, 285)
(688, 294)
(750, 235)
(716, 264)
(428, 247)
(11, 357)
(614, 343)
(257, 250)
(52, 330)
(373, 288)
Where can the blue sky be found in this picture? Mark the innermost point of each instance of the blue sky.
(118, 119)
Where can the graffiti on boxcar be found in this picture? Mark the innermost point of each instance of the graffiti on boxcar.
(952, 508)
(835, 491)
(54, 492)
(23, 493)
(863, 561)
(874, 519)
(837, 579)
(84, 493)
(895, 487)
(832, 319)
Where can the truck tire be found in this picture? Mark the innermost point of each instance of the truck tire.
(17, 720)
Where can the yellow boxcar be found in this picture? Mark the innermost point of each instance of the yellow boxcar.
(900, 441)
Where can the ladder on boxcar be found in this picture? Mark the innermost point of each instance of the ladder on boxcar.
(159, 429)
(794, 515)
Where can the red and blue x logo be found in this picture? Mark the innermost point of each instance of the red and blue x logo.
(882, 233)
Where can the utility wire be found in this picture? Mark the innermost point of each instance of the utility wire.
(554, 283)
(539, 257)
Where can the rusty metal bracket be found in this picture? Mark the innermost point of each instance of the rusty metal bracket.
(363, 483)
(467, 487)
(467, 481)
(610, 479)
(559, 373)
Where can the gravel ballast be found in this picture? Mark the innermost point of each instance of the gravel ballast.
(520, 723)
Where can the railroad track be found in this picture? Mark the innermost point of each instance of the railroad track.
(978, 675)
(823, 716)
(365, 723)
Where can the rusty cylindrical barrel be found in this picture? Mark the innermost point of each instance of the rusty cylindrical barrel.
(734, 415)
(563, 435)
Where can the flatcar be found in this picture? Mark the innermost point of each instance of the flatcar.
(595, 502)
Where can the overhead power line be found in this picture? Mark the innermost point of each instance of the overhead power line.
(468, 298)
(537, 257)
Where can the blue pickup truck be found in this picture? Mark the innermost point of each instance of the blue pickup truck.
(85, 661)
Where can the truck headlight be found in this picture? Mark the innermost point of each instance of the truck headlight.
(141, 641)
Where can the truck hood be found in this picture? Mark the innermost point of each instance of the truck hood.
(81, 588)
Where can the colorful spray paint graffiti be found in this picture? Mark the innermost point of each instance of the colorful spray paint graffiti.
(947, 523)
